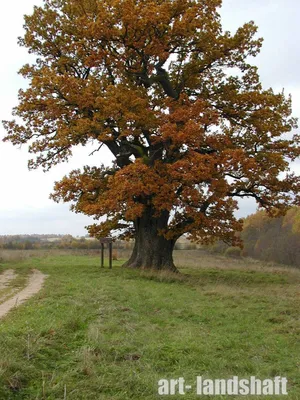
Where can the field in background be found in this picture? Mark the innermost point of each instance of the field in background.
(95, 333)
(183, 258)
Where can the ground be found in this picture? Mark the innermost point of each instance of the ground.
(94, 333)
(14, 296)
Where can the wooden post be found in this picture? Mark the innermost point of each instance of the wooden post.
(102, 255)
(110, 255)
(109, 242)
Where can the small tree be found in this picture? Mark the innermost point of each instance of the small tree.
(174, 99)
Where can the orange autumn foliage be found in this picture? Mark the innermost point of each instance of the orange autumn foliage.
(175, 100)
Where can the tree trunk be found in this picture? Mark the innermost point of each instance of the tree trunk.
(151, 250)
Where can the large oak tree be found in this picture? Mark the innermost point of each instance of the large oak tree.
(175, 100)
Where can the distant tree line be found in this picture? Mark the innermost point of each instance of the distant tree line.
(268, 239)
(273, 239)
(264, 238)
(36, 242)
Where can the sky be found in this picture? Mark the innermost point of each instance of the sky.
(25, 207)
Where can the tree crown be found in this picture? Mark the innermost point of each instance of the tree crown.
(175, 100)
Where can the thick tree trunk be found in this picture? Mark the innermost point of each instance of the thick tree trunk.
(151, 250)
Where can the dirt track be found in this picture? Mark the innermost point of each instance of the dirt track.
(34, 285)
(6, 277)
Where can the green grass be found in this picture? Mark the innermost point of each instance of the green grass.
(96, 333)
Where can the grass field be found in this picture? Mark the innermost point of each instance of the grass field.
(96, 333)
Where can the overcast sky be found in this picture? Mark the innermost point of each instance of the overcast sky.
(24, 201)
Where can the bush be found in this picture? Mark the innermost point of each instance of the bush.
(218, 247)
(234, 252)
(185, 246)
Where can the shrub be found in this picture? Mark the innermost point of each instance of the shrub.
(234, 252)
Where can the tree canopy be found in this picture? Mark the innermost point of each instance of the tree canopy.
(177, 102)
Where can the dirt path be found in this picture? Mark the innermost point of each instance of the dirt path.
(34, 285)
(6, 277)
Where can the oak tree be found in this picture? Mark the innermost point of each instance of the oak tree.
(176, 101)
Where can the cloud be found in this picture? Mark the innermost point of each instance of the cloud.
(247, 206)
(55, 219)
(278, 23)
